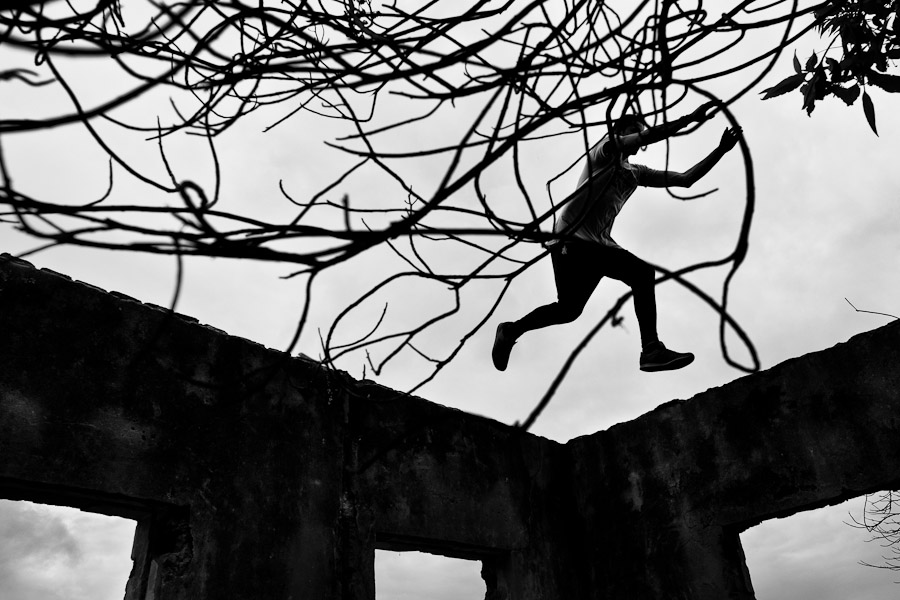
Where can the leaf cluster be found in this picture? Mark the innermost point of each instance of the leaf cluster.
(867, 34)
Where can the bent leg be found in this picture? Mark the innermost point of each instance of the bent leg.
(622, 265)
(576, 274)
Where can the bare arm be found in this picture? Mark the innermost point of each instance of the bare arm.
(695, 173)
(631, 142)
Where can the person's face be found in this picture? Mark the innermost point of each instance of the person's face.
(633, 128)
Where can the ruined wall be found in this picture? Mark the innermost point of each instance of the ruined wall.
(691, 475)
(256, 475)
(109, 399)
(253, 474)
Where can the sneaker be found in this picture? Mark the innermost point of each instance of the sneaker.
(656, 357)
(503, 343)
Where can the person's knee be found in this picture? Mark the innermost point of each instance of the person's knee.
(644, 277)
(569, 312)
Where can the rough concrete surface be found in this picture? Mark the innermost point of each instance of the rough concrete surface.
(256, 475)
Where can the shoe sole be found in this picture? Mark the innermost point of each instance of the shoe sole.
(672, 365)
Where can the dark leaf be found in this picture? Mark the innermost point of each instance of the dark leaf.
(872, 6)
(848, 95)
(814, 89)
(833, 66)
(811, 62)
(869, 109)
(855, 65)
(824, 11)
(784, 86)
(797, 64)
(833, 24)
(809, 97)
(819, 82)
(889, 83)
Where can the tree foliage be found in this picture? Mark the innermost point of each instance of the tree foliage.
(864, 42)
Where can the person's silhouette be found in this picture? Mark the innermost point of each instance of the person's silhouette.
(585, 252)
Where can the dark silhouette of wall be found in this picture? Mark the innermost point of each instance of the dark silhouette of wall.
(256, 475)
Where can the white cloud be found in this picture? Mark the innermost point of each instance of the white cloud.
(50, 553)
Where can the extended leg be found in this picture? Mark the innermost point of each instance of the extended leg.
(576, 274)
(626, 267)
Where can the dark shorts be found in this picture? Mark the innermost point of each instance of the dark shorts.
(579, 266)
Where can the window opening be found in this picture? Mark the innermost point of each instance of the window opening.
(57, 552)
(818, 554)
(415, 575)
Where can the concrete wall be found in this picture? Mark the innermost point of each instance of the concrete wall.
(256, 475)
(685, 479)
(118, 402)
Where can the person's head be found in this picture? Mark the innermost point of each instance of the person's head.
(628, 124)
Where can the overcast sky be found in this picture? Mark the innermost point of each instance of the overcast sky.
(825, 229)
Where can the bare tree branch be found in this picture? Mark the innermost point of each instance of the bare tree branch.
(506, 76)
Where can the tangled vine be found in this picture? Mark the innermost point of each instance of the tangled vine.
(509, 75)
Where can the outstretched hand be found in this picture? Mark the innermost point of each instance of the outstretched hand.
(730, 138)
(700, 114)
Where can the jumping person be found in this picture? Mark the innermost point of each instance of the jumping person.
(585, 252)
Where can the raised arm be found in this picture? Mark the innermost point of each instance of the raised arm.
(694, 174)
(631, 142)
